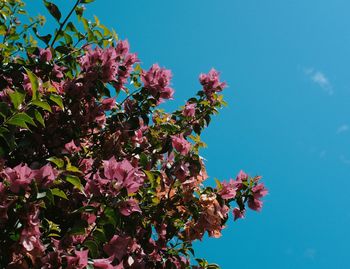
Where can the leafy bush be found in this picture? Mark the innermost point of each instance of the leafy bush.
(92, 173)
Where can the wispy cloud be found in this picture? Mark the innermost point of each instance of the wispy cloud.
(343, 128)
(344, 160)
(323, 154)
(310, 253)
(320, 79)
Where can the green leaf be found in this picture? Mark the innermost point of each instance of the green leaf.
(218, 184)
(99, 236)
(26, 118)
(57, 161)
(57, 100)
(68, 39)
(8, 137)
(86, 1)
(85, 24)
(78, 227)
(21, 120)
(72, 168)
(53, 9)
(93, 248)
(4, 109)
(44, 105)
(59, 193)
(39, 118)
(17, 98)
(75, 181)
(34, 81)
(70, 27)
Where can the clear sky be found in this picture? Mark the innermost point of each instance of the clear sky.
(287, 64)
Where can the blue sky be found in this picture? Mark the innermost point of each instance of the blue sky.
(287, 64)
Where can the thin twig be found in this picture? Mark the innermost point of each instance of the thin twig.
(64, 22)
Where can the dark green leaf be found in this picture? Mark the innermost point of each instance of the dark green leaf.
(93, 248)
(70, 27)
(78, 227)
(53, 9)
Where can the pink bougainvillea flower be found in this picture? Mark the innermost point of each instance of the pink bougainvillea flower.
(45, 55)
(118, 246)
(71, 147)
(19, 177)
(45, 176)
(79, 261)
(103, 264)
(157, 81)
(259, 191)
(242, 176)
(30, 240)
(108, 103)
(238, 214)
(228, 190)
(255, 204)
(181, 144)
(211, 81)
(124, 174)
(189, 110)
(129, 206)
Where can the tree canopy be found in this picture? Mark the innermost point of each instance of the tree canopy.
(93, 174)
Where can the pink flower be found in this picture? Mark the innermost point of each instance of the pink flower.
(241, 176)
(211, 83)
(108, 103)
(30, 240)
(189, 110)
(157, 81)
(259, 191)
(103, 263)
(79, 261)
(118, 246)
(126, 208)
(238, 214)
(255, 204)
(45, 55)
(19, 177)
(122, 47)
(124, 174)
(71, 147)
(228, 190)
(181, 144)
(57, 71)
(46, 175)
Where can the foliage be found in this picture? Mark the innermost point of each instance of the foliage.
(92, 173)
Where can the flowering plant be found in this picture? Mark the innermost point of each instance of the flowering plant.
(92, 173)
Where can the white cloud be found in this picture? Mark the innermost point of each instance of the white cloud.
(310, 253)
(343, 128)
(320, 79)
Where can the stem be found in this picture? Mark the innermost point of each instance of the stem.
(64, 22)
(131, 94)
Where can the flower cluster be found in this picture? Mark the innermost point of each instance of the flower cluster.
(93, 179)
(157, 81)
(211, 83)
